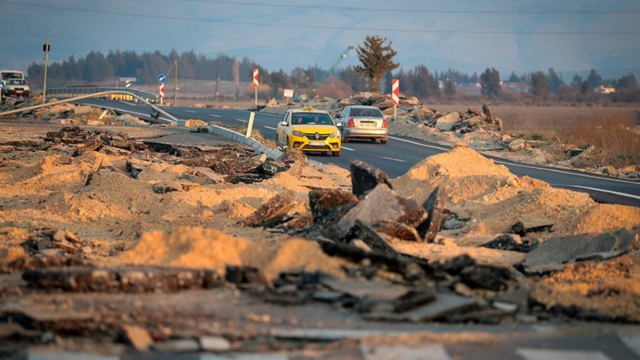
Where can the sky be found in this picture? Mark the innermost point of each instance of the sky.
(466, 35)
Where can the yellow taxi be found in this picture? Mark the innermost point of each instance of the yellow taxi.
(309, 130)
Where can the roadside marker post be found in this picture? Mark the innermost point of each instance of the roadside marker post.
(395, 96)
(161, 80)
(250, 125)
(256, 82)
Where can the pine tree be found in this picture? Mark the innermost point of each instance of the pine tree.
(376, 59)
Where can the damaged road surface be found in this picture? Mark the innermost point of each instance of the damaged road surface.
(135, 248)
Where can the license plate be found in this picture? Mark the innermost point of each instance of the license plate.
(316, 143)
(367, 124)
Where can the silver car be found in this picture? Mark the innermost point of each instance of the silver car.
(363, 122)
(17, 87)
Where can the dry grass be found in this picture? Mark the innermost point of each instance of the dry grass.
(619, 145)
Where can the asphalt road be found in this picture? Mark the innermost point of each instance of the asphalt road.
(401, 153)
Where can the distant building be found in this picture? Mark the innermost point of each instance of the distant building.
(604, 89)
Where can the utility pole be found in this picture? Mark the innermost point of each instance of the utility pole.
(175, 83)
(46, 49)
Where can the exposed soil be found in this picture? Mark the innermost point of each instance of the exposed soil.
(113, 208)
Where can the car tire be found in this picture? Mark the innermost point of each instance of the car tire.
(345, 140)
(384, 141)
(373, 140)
(335, 153)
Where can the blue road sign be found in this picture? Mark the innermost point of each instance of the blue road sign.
(162, 78)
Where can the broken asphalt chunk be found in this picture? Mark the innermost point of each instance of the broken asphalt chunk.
(365, 232)
(397, 230)
(434, 206)
(366, 289)
(126, 279)
(554, 253)
(272, 167)
(325, 202)
(272, 212)
(519, 229)
(445, 304)
(508, 243)
(382, 204)
(365, 177)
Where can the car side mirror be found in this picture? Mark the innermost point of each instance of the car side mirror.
(339, 124)
(283, 123)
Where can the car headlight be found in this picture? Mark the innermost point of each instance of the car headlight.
(298, 133)
(335, 134)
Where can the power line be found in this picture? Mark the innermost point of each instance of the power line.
(484, 12)
(426, 31)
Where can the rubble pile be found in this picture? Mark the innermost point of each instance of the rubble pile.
(67, 113)
(341, 250)
(112, 240)
(478, 129)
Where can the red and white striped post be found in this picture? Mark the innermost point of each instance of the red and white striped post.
(395, 95)
(256, 82)
(161, 92)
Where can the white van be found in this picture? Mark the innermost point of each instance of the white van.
(14, 83)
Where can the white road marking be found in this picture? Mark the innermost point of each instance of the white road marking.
(388, 352)
(417, 143)
(242, 120)
(605, 191)
(269, 127)
(564, 172)
(535, 354)
(215, 115)
(398, 160)
(190, 111)
(347, 148)
(632, 341)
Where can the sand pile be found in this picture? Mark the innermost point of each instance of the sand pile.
(209, 249)
(494, 199)
(610, 287)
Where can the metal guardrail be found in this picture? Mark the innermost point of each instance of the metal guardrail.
(117, 95)
(155, 113)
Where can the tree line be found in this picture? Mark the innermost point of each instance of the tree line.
(375, 73)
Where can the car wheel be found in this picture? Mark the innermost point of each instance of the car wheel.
(373, 140)
(384, 141)
(336, 153)
(345, 140)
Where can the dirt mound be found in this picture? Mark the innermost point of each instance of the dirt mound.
(200, 248)
(494, 199)
(609, 288)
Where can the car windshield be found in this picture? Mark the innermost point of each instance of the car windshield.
(11, 75)
(16, 82)
(366, 112)
(311, 119)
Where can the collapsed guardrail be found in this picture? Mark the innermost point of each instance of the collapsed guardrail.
(116, 92)
(155, 112)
